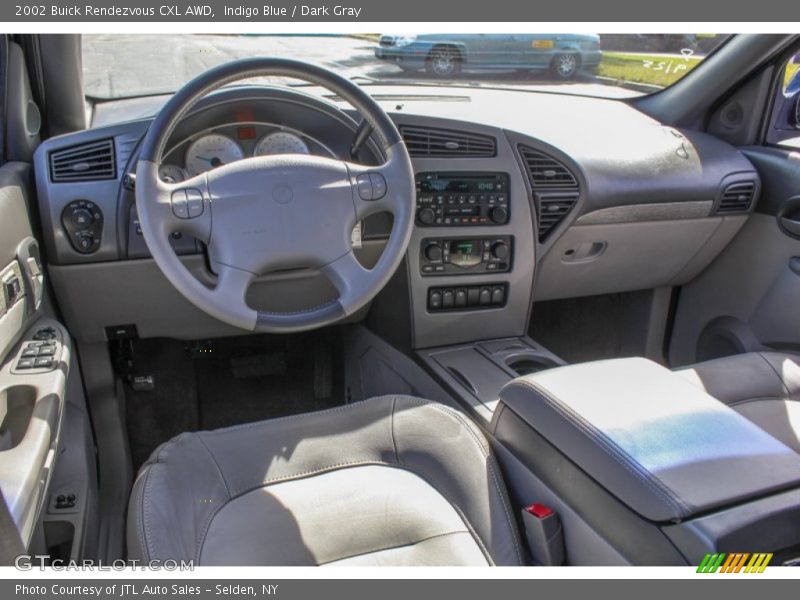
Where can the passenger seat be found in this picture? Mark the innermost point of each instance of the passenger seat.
(762, 386)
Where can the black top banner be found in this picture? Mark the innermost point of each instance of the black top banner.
(601, 11)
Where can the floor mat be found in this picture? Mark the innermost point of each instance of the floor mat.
(218, 383)
(153, 417)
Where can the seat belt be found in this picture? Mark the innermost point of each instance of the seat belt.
(11, 544)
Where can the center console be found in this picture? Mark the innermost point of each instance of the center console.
(639, 461)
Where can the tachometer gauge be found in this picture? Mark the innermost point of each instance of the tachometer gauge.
(171, 174)
(212, 151)
(280, 142)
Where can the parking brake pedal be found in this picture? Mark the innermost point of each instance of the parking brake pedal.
(544, 534)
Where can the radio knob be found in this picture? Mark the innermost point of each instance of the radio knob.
(426, 216)
(500, 250)
(499, 214)
(433, 252)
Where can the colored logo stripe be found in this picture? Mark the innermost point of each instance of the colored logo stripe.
(735, 562)
(758, 563)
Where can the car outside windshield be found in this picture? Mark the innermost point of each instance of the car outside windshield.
(618, 65)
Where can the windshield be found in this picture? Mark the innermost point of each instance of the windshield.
(606, 65)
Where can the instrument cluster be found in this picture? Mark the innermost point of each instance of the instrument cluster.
(228, 143)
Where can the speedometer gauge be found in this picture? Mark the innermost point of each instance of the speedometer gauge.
(212, 151)
(280, 142)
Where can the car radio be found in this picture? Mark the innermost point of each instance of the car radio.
(458, 199)
(457, 256)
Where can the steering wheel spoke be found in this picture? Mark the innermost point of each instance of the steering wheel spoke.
(177, 207)
(348, 276)
(374, 189)
(232, 285)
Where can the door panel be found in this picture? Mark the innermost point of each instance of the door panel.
(31, 393)
(34, 349)
(748, 298)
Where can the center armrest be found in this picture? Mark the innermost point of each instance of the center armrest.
(662, 446)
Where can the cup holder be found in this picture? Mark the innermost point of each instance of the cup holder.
(525, 364)
(16, 410)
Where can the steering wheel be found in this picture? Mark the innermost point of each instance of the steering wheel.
(270, 213)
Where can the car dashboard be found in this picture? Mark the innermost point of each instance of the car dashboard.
(521, 197)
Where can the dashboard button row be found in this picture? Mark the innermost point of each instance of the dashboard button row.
(467, 297)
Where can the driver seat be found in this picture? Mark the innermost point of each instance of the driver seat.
(395, 480)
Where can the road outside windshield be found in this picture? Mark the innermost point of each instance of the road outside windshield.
(621, 65)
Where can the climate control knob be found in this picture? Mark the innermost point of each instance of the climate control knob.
(500, 250)
(433, 252)
(426, 216)
(499, 214)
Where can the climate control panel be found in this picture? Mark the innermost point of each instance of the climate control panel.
(465, 256)
(462, 199)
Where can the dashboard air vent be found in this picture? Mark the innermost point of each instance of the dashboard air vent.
(94, 161)
(545, 171)
(430, 142)
(551, 210)
(737, 197)
(555, 188)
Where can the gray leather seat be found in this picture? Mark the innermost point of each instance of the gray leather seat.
(390, 481)
(762, 386)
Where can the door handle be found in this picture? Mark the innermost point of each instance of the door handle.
(790, 226)
(794, 265)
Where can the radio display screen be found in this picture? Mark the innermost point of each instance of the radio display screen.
(440, 183)
(444, 185)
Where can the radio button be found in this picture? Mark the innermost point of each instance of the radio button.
(364, 184)
(378, 186)
(194, 200)
(180, 207)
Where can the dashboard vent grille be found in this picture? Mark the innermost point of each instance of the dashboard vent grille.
(545, 171)
(737, 197)
(85, 162)
(561, 185)
(551, 210)
(446, 143)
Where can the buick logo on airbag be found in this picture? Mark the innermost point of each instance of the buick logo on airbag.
(282, 193)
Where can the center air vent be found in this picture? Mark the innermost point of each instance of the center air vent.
(551, 210)
(546, 171)
(555, 189)
(431, 142)
(87, 162)
(737, 197)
